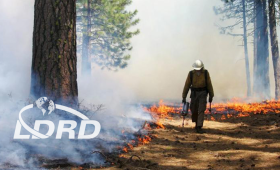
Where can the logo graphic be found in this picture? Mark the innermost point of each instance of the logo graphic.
(48, 106)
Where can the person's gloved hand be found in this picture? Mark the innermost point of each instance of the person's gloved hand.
(210, 99)
(184, 101)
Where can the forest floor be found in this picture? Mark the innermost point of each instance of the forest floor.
(235, 143)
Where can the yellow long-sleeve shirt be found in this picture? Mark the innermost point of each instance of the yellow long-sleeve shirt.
(198, 81)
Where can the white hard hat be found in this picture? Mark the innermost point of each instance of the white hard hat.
(197, 65)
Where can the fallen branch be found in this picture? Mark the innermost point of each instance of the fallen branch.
(144, 125)
(130, 159)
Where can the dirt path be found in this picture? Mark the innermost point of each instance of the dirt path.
(235, 143)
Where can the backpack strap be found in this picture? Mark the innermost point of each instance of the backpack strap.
(191, 76)
(205, 74)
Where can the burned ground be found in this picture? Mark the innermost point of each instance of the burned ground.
(233, 143)
(241, 140)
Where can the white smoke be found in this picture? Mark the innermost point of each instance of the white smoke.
(117, 114)
(114, 119)
(173, 34)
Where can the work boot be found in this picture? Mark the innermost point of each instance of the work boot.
(196, 127)
(199, 130)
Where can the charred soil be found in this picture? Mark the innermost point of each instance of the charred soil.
(233, 143)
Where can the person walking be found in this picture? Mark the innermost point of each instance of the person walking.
(199, 82)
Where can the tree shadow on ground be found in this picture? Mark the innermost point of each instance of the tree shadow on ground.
(247, 143)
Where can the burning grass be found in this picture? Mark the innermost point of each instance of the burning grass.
(220, 111)
(167, 111)
(163, 112)
(240, 136)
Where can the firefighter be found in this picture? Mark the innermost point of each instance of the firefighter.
(199, 82)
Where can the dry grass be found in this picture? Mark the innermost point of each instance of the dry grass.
(235, 143)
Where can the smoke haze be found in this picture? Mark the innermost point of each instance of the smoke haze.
(173, 35)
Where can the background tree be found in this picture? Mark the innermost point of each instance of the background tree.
(54, 72)
(239, 11)
(86, 33)
(105, 27)
(274, 46)
(255, 11)
(261, 79)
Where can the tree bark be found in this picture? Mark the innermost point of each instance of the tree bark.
(261, 79)
(248, 77)
(54, 60)
(86, 64)
(274, 47)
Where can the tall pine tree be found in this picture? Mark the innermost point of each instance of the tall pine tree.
(240, 11)
(105, 28)
(54, 72)
(261, 86)
(274, 47)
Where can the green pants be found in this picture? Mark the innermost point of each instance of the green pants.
(198, 106)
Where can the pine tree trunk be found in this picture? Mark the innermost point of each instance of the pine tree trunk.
(255, 50)
(261, 79)
(274, 47)
(86, 64)
(54, 60)
(248, 77)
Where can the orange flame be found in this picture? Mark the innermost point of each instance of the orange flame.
(223, 117)
(145, 140)
(222, 111)
(161, 112)
(130, 146)
(233, 108)
(159, 125)
(125, 149)
(121, 155)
